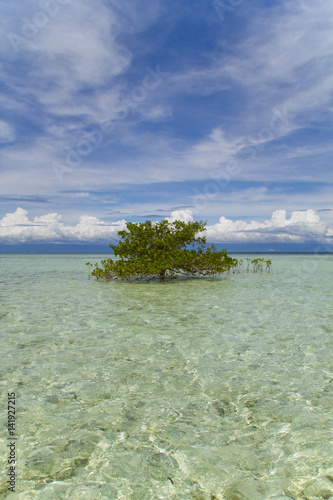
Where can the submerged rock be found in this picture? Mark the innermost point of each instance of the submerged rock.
(161, 466)
(320, 488)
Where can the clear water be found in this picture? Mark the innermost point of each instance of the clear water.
(200, 389)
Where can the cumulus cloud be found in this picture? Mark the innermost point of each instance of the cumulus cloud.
(184, 215)
(18, 228)
(300, 227)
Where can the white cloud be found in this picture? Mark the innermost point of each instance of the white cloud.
(158, 113)
(213, 150)
(78, 74)
(183, 215)
(300, 227)
(283, 62)
(7, 133)
(75, 50)
(17, 227)
(18, 218)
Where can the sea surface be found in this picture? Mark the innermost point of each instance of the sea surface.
(206, 389)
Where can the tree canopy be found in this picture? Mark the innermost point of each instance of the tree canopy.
(164, 250)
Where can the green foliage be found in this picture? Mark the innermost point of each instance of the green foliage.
(163, 250)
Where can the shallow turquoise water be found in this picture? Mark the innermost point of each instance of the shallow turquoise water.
(199, 389)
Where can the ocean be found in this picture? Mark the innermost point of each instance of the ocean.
(206, 389)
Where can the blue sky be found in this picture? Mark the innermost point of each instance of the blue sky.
(216, 110)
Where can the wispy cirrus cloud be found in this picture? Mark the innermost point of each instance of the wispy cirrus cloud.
(249, 98)
(7, 132)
